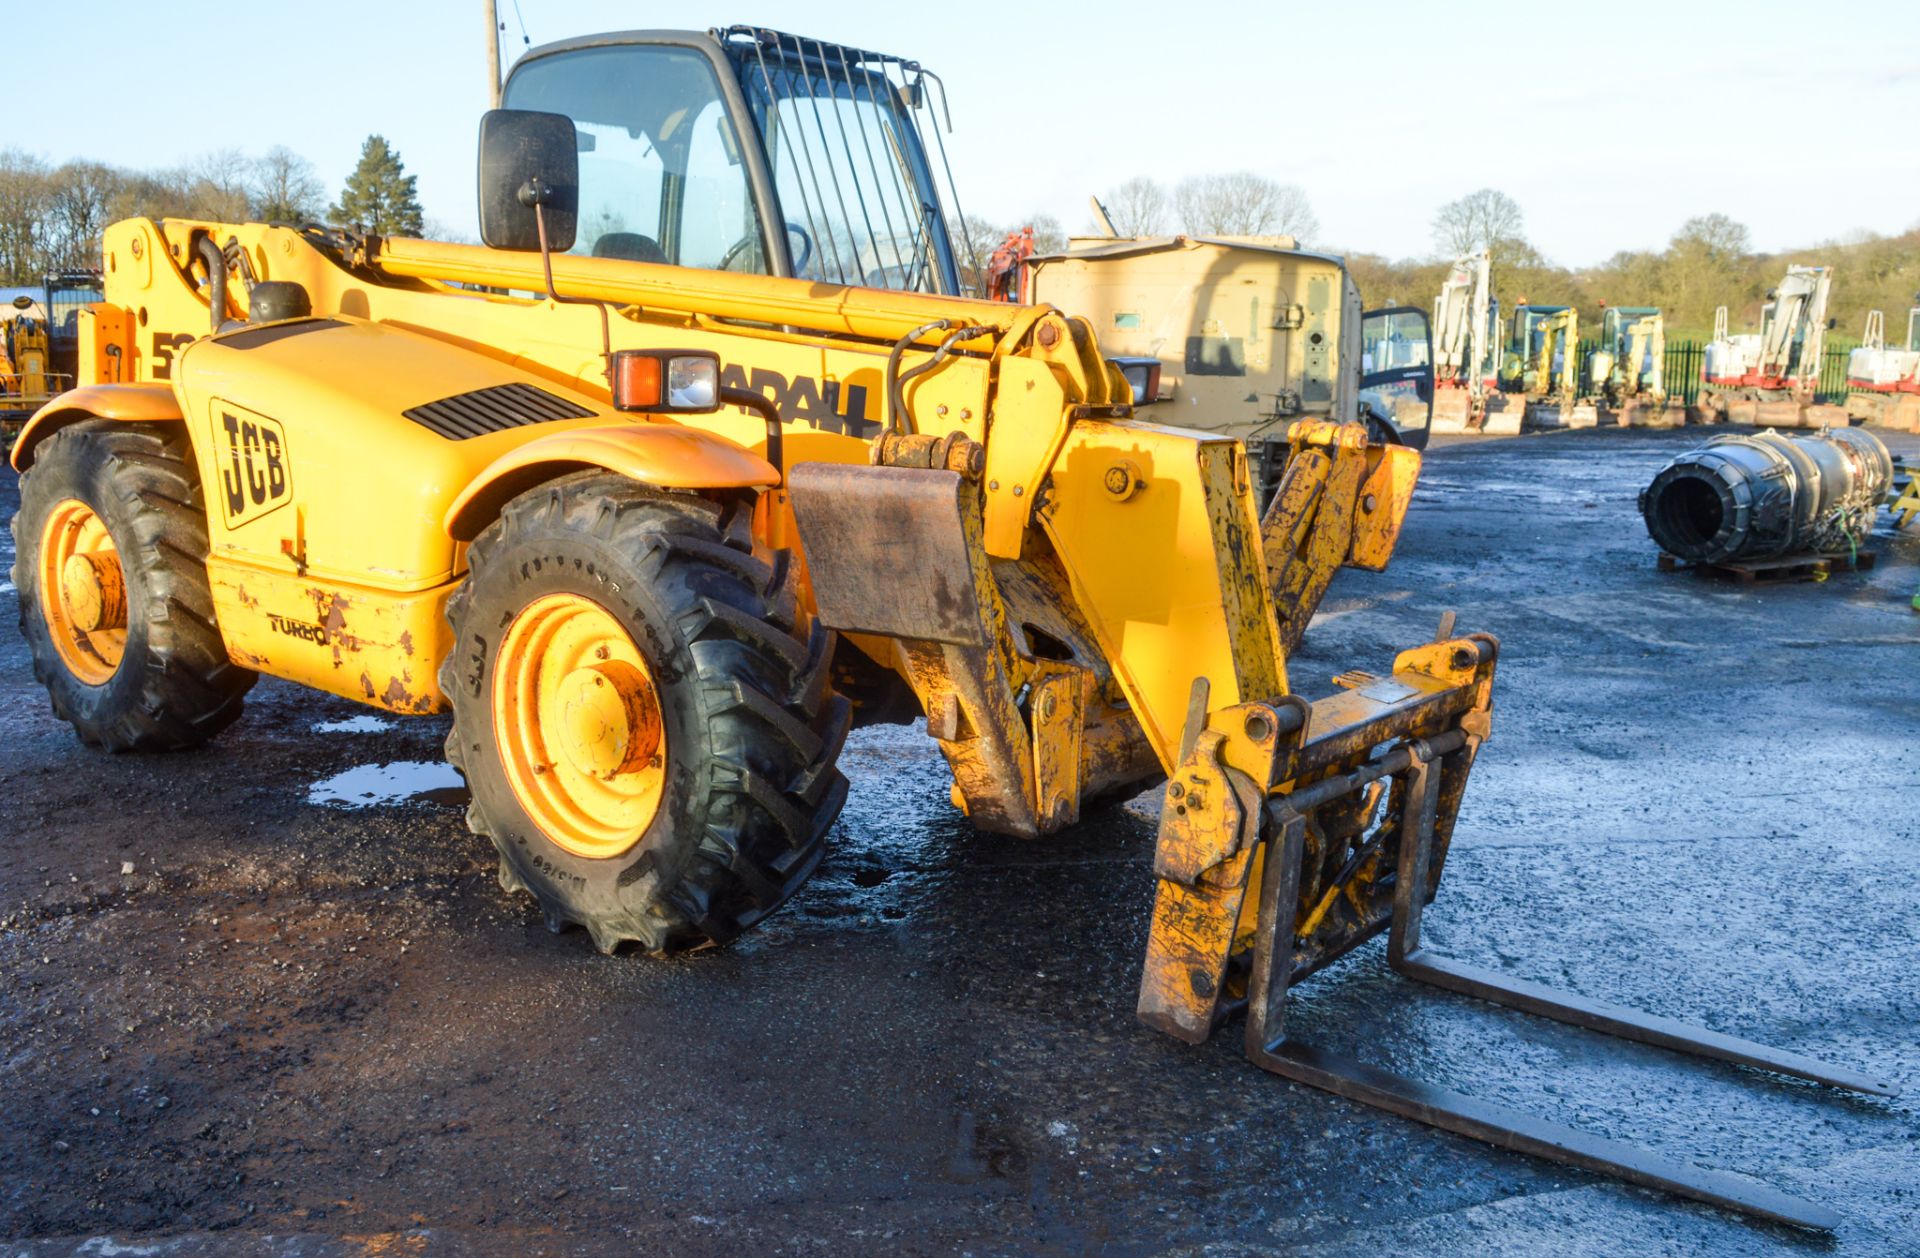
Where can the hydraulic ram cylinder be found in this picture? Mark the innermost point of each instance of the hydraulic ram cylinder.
(1742, 498)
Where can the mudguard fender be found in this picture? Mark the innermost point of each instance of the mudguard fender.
(128, 403)
(667, 455)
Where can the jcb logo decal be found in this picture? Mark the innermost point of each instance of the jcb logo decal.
(831, 408)
(254, 474)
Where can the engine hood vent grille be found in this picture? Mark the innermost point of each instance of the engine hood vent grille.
(495, 409)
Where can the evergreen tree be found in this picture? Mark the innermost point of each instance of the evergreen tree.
(379, 196)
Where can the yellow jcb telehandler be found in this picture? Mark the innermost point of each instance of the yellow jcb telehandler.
(702, 457)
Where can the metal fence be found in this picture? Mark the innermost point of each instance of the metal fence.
(1684, 367)
(1833, 374)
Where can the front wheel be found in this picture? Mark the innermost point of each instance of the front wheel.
(642, 715)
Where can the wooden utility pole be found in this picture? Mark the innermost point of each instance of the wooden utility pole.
(493, 54)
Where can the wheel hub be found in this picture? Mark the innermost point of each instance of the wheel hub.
(610, 719)
(83, 592)
(94, 592)
(578, 722)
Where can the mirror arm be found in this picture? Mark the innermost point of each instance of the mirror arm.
(534, 194)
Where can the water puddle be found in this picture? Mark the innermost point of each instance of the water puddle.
(397, 782)
(364, 724)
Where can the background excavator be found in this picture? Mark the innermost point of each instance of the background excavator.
(1541, 369)
(1466, 352)
(1625, 372)
(1770, 376)
(702, 458)
(1883, 381)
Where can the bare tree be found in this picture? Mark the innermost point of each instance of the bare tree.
(1138, 207)
(53, 219)
(81, 197)
(1716, 236)
(432, 228)
(1708, 264)
(1488, 219)
(24, 196)
(984, 237)
(1048, 235)
(1243, 204)
(151, 194)
(216, 185)
(285, 187)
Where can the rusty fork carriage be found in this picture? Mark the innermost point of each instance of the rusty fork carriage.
(1350, 844)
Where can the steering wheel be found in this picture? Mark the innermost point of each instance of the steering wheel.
(1381, 431)
(751, 239)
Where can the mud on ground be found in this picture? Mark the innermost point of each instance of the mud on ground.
(237, 1017)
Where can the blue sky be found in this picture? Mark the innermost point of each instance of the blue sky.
(1609, 124)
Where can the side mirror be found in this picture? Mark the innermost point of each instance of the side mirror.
(528, 161)
(1143, 377)
(23, 302)
(1396, 371)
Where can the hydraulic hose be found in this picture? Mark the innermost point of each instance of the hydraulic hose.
(762, 406)
(896, 404)
(216, 261)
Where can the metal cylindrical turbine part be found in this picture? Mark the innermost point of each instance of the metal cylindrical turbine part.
(1768, 495)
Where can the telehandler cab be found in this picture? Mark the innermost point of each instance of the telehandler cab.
(703, 457)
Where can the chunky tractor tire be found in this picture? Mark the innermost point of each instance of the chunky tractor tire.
(110, 562)
(649, 740)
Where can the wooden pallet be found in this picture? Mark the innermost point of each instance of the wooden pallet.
(1766, 571)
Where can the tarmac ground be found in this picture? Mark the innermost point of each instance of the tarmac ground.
(267, 996)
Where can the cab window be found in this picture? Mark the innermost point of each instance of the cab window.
(661, 175)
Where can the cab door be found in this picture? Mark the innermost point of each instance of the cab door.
(1396, 374)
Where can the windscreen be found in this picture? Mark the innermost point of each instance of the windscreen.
(65, 300)
(661, 175)
(852, 175)
(844, 179)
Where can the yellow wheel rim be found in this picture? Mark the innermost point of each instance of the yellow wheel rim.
(577, 718)
(83, 594)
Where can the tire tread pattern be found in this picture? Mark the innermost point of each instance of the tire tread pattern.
(184, 689)
(769, 791)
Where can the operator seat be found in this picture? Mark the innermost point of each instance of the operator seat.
(629, 247)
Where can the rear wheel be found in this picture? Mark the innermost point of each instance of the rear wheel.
(643, 719)
(110, 554)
